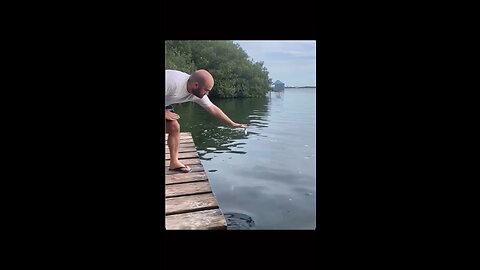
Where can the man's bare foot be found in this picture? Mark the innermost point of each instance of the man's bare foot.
(179, 167)
(185, 169)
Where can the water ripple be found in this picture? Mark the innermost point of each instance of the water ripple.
(239, 221)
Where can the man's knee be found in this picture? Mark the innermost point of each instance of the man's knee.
(173, 126)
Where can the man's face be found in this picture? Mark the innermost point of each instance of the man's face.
(200, 91)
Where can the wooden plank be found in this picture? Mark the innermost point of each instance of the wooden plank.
(188, 161)
(183, 155)
(182, 150)
(182, 141)
(189, 200)
(187, 189)
(185, 177)
(183, 136)
(187, 144)
(179, 205)
(195, 168)
(207, 219)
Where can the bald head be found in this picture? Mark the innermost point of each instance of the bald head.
(203, 77)
(200, 83)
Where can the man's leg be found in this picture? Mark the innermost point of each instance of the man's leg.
(173, 130)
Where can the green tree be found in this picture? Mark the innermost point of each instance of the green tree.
(235, 75)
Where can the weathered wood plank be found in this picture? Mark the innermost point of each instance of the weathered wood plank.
(189, 200)
(207, 219)
(183, 155)
(187, 144)
(179, 205)
(185, 177)
(182, 136)
(188, 161)
(182, 141)
(185, 189)
(195, 168)
(182, 150)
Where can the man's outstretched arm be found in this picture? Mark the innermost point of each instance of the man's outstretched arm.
(220, 115)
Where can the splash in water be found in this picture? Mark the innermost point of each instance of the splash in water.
(238, 221)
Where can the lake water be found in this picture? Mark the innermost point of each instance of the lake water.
(267, 178)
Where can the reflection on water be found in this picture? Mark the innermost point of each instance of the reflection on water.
(268, 173)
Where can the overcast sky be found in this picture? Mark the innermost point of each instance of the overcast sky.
(290, 61)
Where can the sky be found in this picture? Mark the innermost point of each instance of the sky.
(292, 62)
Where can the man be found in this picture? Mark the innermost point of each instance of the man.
(179, 88)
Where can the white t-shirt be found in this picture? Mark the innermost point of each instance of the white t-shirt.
(176, 90)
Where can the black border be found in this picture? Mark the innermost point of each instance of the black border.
(249, 23)
(96, 74)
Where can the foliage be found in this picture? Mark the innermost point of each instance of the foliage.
(234, 74)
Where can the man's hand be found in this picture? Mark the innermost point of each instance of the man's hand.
(171, 115)
(236, 125)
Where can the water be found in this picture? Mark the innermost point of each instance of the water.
(267, 178)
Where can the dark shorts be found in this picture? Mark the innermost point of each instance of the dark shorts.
(170, 107)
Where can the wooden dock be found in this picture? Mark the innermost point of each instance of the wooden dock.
(189, 201)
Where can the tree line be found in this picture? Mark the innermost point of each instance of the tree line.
(235, 75)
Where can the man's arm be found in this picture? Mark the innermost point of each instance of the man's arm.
(220, 115)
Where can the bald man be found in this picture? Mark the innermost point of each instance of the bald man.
(179, 88)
